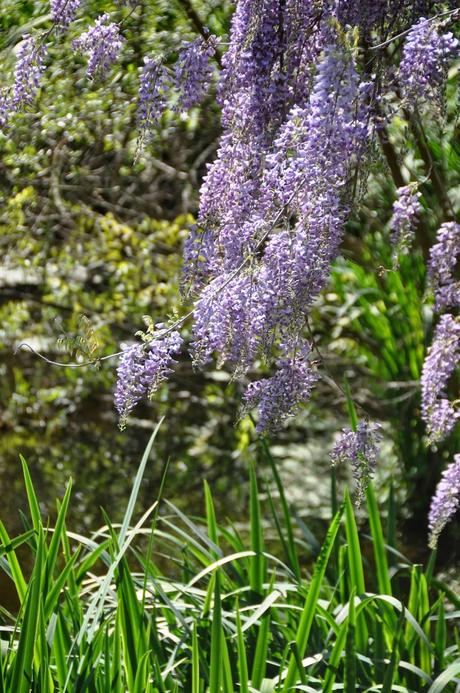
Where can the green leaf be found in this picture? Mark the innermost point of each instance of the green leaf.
(216, 635)
(308, 612)
(443, 680)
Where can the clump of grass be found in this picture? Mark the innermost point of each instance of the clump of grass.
(103, 614)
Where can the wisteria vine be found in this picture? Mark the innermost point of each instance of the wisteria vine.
(301, 110)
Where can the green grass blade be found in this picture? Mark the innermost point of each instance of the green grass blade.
(211, 517)
(31, 497)
(23, 663)
(443, 680)
(378, 543)
(57, 535)
(350, 650)
(195, 661)
(216, 634)
(259, 664)
(17, 541)
(257, 563)
(293, 557)
(242, 659)
(16, 572)
(308, 613)
(142, 680)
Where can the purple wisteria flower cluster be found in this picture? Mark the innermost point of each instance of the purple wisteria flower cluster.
(439, 413)
(153, 89)
(280, 396)
(360, 448)
(193, 72)
(28, 72)
(406, 209)
(102, 43)
(143, 367)
(445, 501)
(64, 12)
(443, 258)
(427, 55)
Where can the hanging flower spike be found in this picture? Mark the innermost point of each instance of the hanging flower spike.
(63, 12)
(280, 396)
(439, 414)
(425, 60)
(406, 209)
(153, 88)
(443, 258)
(194, 71)
(359, 448)
(142, 368)
(102, 43)
(28, 72)
(445, 501)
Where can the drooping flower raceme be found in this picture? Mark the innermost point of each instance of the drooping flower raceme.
(28, 71)
(440, 414)
(194, 71)
(280, 396)
(443, 258)
(406, 209)
(142, 368)
(153, 90)
(426, 56)
(359, 448)
(63, 12)
(102, 43)
(445, 501)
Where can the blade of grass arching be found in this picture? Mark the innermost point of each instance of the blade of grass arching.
(137, 484)
(21, 675)
(243, 678)
(293, 557)
(355, 565)
(195, 661)
(88, 562)
(308, 613)
(16, 572)
(216, 633)
(257, 563)
(378, 543)
(211, 517)
(31, 497)
(443, 680)
(350, 650)
(57, 536)
(17, 541)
